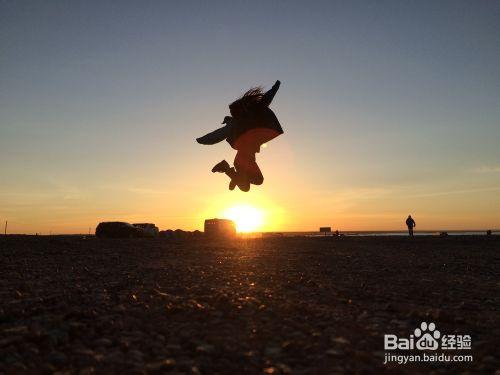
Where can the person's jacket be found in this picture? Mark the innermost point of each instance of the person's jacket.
(258, 125)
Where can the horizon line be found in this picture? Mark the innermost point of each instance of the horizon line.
(281, 231)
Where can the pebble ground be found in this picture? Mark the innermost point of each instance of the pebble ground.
(275, 306)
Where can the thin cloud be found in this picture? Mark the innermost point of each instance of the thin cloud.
(137, 190)
(450, 192)
(487, 169)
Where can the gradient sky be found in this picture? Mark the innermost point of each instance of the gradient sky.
(389, 108)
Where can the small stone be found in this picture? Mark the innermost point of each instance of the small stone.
(333, 352)
(341, 340)
(363, 315)
(16, 330)
(270, 370)
(161, 365)
(114, 357)
(57, 358)
(285, 369)
(273, 351)
(205, 348)
(86, 371)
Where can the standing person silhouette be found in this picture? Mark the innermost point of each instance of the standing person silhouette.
(410, 223)
(251, 124)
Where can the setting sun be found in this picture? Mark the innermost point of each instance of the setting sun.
(246, 218)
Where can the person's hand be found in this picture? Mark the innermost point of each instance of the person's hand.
(278, 82)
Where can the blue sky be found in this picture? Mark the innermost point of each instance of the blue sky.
(388, 108)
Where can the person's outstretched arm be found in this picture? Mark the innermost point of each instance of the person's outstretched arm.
(267, 98)
(218, 135)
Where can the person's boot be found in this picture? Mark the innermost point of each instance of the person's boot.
(232, 185)
(221, 167)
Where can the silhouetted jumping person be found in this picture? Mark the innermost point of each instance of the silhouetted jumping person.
(251, 124)
(410, 223)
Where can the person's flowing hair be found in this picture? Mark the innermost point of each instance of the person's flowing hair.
(248, 100)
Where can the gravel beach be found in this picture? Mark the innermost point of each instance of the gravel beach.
(294, 305)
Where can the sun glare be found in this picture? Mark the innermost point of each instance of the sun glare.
(246, 218)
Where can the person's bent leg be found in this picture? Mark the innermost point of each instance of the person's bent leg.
(244, 186)
(242, 176)
(238, 179)
(257, 179)
(245, 163)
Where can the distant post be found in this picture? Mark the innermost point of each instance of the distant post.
(5, 229)
(325, 230)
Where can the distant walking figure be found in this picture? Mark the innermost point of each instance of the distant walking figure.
(251, 124)
(410, 223)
